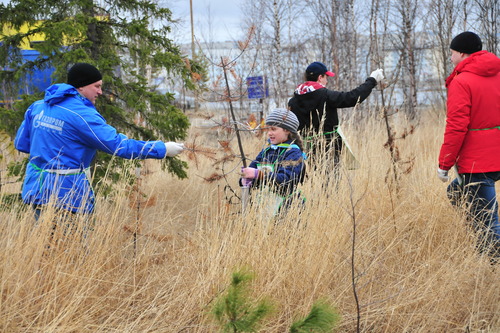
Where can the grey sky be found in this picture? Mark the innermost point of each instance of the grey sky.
(214, 20)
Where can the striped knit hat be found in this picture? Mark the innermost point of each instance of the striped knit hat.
(283, 118)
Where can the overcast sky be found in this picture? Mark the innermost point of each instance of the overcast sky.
(214, 20)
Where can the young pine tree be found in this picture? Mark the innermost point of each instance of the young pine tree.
(128, 40)
(235, 312)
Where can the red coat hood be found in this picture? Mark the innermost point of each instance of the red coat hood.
(482, 63)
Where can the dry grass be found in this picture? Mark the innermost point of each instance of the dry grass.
(415, 266)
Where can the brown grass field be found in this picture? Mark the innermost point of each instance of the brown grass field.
(414, 269)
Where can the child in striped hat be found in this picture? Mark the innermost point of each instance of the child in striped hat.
(280, 166)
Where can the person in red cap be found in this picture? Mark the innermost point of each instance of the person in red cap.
(312, 101)
(472, 137)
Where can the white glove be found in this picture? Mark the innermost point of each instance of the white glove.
(174, 148)
(443, 175)
(378, 75)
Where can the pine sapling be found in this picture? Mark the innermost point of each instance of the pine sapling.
(322, 318)
(234, 310)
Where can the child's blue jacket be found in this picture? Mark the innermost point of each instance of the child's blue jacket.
(62, 134)
(289, 167)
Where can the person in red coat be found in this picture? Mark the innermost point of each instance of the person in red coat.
(472, 136)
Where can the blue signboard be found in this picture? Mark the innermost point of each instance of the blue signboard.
(257, 87)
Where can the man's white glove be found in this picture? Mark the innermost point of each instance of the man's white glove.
(174, 148)
(443, 175)
(378, 75)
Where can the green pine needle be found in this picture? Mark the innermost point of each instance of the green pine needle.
(322, 318)
(235, 312)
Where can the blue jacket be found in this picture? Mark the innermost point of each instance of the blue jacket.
(62, 134)
(288, 167)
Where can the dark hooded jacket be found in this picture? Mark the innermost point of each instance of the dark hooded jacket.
(311, 101)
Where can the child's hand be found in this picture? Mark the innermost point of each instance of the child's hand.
(249, 173)
(245, 182)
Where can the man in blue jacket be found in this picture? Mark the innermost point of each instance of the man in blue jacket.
(62, 134)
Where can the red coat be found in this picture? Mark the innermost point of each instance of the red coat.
(472, 135)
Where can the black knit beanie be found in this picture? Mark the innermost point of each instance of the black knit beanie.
(83, 74)
(283, 118)
(466, 42)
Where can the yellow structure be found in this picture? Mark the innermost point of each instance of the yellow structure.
(26, 43)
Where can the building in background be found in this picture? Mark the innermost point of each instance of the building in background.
(38, 80)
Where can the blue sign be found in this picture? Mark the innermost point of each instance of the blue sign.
(257, 87)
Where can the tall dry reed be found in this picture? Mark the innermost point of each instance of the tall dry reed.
(160, 253)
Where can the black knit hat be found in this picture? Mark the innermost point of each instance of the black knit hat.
(83, 74)
(466, 42)
(283, 118)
